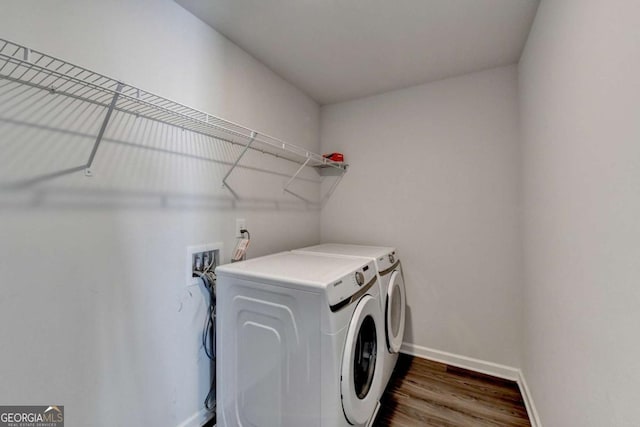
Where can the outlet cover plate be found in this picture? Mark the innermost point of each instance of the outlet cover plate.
(241, 224)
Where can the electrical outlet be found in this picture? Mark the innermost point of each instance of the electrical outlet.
(240, 225)
(199, 257)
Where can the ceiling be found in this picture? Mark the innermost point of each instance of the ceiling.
(336, 50)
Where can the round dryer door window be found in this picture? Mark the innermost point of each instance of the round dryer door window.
(361, 382)
(395, 316)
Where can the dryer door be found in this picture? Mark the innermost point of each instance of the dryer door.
(361, 380)
(395, 311)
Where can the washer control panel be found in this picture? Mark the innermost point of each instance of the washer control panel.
(342, 290)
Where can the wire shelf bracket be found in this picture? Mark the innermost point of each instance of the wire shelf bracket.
(235, 164)
(295, 175)
(87, 170)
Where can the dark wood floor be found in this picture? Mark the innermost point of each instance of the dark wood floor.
(425, 393)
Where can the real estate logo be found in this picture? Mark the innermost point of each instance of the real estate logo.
(32, 416)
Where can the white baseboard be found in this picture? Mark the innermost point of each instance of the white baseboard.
(198, 419)
(528, 401)
(481, 366)
(477, 365)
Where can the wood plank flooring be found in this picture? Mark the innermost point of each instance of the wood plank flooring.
(426, 393)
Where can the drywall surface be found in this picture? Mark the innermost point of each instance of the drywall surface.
(434, 172)
(94, 310)
(579, 97)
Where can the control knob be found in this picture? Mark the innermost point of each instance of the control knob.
(359, 278)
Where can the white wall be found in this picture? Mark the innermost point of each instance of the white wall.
(94, 313)
(579, 98)
(435, 172)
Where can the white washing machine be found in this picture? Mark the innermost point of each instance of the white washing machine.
(392, 292)
(299, 339)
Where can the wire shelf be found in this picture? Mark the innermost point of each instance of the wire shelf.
(24, 66)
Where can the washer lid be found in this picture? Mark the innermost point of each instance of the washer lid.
(361, 378)
(395, 311)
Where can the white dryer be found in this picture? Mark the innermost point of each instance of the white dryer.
(392, 292)
(299, 338)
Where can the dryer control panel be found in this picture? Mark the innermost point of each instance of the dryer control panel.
(352, 286)
(387, 262)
